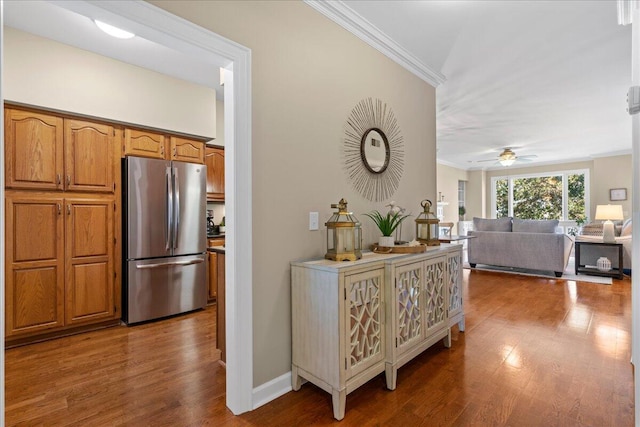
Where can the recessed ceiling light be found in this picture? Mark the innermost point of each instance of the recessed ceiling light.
(113, 31)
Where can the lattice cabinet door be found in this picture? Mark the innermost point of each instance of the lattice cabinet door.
(409, 301)
(435, 295)
(454, 288)
(364, 310)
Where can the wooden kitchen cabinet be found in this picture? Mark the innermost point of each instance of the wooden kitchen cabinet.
(89, 260)
(62, 224)
(187, 150)
(213, 276)
(34, 274)
(89, 156)
(144, 143)
(60, 262)
(48, 152)
(34, 155)
(214, 159)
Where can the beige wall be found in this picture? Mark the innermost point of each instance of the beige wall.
(308, 74)
(608, 173)
(448, 178)
(604, 173)
(41, 72)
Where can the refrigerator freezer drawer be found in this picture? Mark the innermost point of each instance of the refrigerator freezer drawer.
(164, 286)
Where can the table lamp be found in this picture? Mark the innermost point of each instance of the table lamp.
(609, 213)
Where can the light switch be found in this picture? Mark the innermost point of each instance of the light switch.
(313, 220)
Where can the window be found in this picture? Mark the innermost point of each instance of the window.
(562, 196)
(461, 193)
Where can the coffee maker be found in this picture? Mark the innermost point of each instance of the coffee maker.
(210, 225)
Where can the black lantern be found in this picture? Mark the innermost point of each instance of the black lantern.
(344, 235)
(427, 226)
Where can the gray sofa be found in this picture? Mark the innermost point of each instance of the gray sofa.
(519, 243)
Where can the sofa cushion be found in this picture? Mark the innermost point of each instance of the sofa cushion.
(484, 224)
(534, 225)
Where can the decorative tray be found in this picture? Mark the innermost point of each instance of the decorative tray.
(403, 249)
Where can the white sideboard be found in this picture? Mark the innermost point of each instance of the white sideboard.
(353, 320)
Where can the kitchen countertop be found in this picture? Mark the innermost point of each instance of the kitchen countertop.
(213, 236)
(218, 249)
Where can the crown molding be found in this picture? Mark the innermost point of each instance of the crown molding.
(347, 18)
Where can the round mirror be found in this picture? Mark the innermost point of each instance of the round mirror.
(374, 150)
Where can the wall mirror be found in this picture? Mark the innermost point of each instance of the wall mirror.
(374, 150)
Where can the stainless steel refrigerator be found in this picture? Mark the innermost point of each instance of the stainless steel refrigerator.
(164, 238)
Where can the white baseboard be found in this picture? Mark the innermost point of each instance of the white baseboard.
(271, 390)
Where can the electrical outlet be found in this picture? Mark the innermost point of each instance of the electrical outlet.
(313, 220)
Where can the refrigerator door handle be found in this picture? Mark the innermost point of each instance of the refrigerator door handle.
(169, 264)
(169, 196)
(176, 227)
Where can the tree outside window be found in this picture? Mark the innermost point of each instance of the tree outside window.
(541, 197)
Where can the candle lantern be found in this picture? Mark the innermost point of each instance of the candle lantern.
(344, 235)
(427, 226)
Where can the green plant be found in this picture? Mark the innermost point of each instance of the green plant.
(387, 223)
(222, 222)
(461, 211)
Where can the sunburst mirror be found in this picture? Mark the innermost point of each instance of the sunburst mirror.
(373, 150)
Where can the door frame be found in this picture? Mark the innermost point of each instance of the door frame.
(165, 28)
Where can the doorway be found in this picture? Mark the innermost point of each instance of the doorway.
(166, 28)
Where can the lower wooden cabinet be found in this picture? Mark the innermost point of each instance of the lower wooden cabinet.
(60, 269)
(213, 275)
(352, 321)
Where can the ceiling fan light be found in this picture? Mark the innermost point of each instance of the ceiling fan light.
(113, 31)
(507, 162)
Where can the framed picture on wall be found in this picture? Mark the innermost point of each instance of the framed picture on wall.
(617, 194)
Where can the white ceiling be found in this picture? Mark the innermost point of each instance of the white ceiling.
(546, 78)
(71, 23)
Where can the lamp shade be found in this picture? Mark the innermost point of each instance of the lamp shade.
(609, 212)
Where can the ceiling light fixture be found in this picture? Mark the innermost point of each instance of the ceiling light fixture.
(114, 31)
(507, 157)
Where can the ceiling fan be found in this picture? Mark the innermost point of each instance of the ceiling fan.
(508, 157)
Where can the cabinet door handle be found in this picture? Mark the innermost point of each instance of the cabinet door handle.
(68, 180)
(59, 209)
(68, 209)
(58, 179)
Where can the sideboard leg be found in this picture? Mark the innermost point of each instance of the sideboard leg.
(339, 401)
(461, 325)
(296, 381)
(391, 375)
(447, 340)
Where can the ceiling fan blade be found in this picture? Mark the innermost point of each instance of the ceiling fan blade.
(528, 156)
(487, 160)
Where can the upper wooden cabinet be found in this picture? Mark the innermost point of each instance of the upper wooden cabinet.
(33, 150)
(214, 159)
(187, 150)
(144, 144)
(47, 152)
(89, 156)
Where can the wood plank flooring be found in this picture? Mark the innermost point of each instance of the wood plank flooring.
(536, 352)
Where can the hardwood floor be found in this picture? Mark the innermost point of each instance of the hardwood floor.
(536, 352)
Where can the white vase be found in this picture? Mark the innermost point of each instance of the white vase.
(386, 241)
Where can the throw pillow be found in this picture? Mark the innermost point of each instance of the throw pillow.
(535, 225)
(500, 224)
(626, 228)
(592, 229)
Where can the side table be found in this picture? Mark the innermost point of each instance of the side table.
(602, 249)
